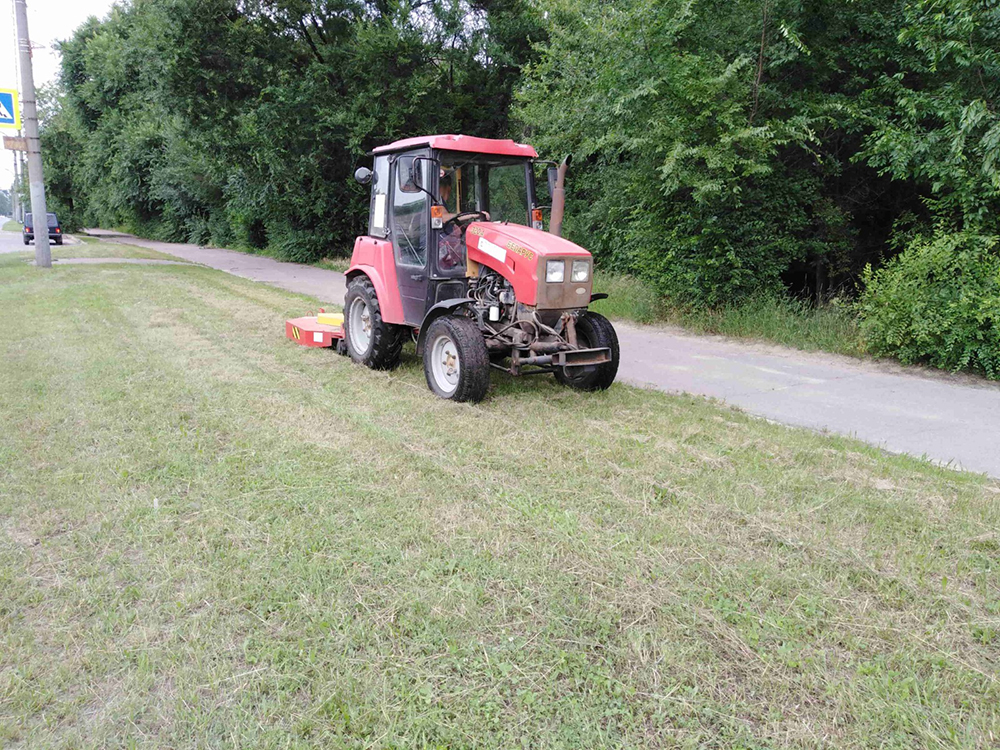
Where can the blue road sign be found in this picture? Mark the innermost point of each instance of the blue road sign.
(10, 113)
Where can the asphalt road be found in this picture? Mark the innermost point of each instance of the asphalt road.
(11, 242)
(950, 419)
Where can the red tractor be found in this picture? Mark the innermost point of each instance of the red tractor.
(455, 255)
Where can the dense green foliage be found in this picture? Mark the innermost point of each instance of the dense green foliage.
(723, 150)
(938, 303)
(732, 147)
(241, 121)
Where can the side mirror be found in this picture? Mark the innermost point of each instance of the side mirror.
(363, 175)
(553, 174)
(408, 172)
(417, 174)
(411, 173)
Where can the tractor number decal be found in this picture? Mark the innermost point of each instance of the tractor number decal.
(493, 250)
(478, 231)
(522, 251)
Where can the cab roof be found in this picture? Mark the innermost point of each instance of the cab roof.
(466, 143)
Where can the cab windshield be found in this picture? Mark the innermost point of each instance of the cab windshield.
(493, 185)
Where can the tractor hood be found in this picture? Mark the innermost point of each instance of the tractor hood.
(519, 254)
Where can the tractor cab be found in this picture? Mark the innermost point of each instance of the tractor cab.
(456, 255)
(426, 192)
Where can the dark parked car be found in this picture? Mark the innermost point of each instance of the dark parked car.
(55, 231)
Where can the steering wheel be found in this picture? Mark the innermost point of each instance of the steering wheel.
(465, 217)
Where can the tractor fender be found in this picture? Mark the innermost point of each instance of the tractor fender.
(373, 257)
(388, 297)
(441, 308)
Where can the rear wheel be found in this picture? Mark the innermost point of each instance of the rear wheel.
(456, 363)
(593, 331)
(370, 340)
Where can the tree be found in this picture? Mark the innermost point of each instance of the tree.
(939, 120)
(721, 142)
(241, 121)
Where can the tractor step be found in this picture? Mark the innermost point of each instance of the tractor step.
(309, 331)
(581, 357)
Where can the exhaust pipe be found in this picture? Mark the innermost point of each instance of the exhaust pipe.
(559, 198)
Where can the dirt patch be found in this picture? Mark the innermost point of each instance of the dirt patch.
(20, 537)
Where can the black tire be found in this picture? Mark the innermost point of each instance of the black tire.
(384, 340)
(59, 241)
(593, 331)
(456, 337)
(26, 241)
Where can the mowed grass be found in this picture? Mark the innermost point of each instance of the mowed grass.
(212, 537)
(90, 247)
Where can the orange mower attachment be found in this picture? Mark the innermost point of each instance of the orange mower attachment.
(321, 331)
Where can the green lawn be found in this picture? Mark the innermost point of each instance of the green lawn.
(211, 537)
(12, 226)
(94, 248)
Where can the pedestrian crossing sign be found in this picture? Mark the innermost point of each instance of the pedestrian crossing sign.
(10, 113)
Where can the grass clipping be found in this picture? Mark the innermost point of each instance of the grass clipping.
(212, 537)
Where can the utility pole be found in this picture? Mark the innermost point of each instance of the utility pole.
(14, 189)
(39, 216)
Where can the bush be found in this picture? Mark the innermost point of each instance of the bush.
(938, 303)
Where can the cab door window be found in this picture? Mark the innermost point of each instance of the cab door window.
(451, 253)
(409, 214)
(378, 225)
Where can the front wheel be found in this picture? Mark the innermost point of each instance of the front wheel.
(593, 331)
(370, 340)
(456, 363)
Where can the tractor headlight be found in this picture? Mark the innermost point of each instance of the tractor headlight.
(581, 270)
(555, 271)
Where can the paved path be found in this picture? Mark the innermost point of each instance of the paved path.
(948, 418)
(11, 242)
(327, 286)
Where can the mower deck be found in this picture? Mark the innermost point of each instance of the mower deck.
(308, 331)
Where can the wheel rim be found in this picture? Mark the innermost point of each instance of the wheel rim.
(445, 365)
(360, 320)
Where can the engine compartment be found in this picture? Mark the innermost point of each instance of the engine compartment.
(516, 329)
